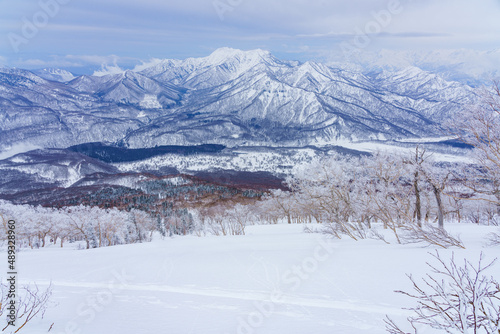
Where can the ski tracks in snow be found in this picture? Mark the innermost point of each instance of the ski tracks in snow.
(258, 296)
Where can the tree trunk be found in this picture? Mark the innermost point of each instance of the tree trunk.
(497, 195)
(100, 235)
(418, 205)
(437, 193)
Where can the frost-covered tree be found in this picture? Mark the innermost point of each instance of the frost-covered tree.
(283, 204)
(81, 225)
(222, 220)
(144, 225)
(389, 188)
(479, 126)
(349, 194)
(35, 226)
(416, 162)
(62, 230)
(328, 184)
(427, 174)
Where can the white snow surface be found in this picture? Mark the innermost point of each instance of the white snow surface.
(10, 151)
(275, 279)
(373, 147)
(150, 102)
(243, 159)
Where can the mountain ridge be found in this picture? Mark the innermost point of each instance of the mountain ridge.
(230, 97)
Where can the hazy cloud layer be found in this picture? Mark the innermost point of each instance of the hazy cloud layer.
(46, 31)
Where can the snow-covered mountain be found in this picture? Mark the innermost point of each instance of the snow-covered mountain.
(55, 74)
(472, 67)
(129, 88)
(50, 168)
(231, 97)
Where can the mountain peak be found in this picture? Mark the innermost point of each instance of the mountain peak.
(222, 55)
(229, 52)
(230, 97)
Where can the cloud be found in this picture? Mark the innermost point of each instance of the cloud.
(94, 31)
(94, 59)
(107, 70)
(40, 63)
(73, 61)
(343, 36)
(147, 64)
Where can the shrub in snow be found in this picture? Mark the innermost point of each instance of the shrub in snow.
(32, 302)
(430, 235)
(493, 239)
(454, 299)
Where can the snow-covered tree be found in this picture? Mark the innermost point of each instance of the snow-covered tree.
(479, 126)
(144, 225)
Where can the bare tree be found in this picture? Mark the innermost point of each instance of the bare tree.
(32, 303)
(454, 299)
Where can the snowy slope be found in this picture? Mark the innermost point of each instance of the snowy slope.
(129, 88)
(274, 280)
(55, 74)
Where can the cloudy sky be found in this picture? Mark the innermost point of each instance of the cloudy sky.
(83, 34)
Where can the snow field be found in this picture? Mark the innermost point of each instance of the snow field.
(275, 279)
(241, 160)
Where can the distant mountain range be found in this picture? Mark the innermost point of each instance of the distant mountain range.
(231, 97)
(472, 67)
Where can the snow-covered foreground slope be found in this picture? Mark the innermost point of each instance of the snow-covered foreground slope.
(275, 279)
